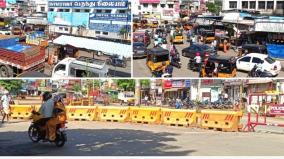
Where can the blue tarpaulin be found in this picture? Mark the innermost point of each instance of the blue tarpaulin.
(18, 48)
(8, 42)
(276, 51)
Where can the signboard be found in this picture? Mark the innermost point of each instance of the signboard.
(276, 110)
(177, 84)
(167, 84)
(110, 17)
(89, 4)
(177, 7)
(69, 19)
(168, 13)
(2, 3)
(114, 28)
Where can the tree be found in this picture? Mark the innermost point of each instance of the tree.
(12, 85)
(214, 7)
(77, 87)
(123, 32)
(126, 84)
(145, 83)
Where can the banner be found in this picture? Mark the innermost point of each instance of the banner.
(110, 17)
(89, 4)
(277, 110)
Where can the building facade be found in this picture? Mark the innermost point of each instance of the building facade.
(90, 18)
(264, 6)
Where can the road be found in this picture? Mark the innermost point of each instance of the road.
(124, 139)
(141, 70)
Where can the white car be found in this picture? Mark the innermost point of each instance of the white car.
(247, 62)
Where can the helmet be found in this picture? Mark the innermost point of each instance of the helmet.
(197, 54)
(46, 96)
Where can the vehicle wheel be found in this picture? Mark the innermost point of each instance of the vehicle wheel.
(34, 133)
(60, 139)
(6, 71)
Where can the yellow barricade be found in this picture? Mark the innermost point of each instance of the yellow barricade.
(178, 117)
(76, 102)
(81, 112)
(221, 120)
(145, 115)
(113, 114)
(22, 111)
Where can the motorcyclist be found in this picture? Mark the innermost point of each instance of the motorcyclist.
(59, 116)
(46, 112)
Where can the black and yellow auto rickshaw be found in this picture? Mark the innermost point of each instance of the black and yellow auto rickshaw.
(157, 59)
(223, 41)
(207, 35)
(217, 66)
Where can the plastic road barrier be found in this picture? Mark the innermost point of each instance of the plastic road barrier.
(81, 112)
(221, 120)
(22, 111)
(113, 114)
(178, 117)
(145, 115)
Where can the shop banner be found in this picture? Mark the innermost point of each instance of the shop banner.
(167, 84)
(150, 1)
(89, 4)
(110, 17)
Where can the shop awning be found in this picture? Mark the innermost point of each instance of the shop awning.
(171, 90)
(107, 47)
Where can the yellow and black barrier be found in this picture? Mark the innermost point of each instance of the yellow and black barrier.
(113, 114)
(145, 115)
(221, 120)
(179, 117)
(22, 111)
(88, 113)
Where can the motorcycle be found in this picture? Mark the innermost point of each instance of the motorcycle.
(37, 133)
(256, 72)
(175, 61)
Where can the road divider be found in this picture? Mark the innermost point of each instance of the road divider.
(23, 111)
(113, 114)
(179, 117)
(221, 120)
(81, 113)
(145, 115)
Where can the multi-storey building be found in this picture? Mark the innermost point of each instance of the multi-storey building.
(264, 6)
(90, 18)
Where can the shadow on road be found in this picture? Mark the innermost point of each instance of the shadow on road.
(96, 142)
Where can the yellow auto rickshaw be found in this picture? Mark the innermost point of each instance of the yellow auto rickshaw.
(221, 67)
(223, 41)
(177, 37)
(154, 24)
(157, 59)
(208, 36)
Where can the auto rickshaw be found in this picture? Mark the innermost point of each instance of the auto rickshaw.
(217, 66)
(177, 37)
(157, 59)
(187, 26)
(208, 36)
(144, 24)
(154, 24)
(223, 41)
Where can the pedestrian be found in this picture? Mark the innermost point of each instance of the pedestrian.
(146, 98)
(5, 100)
(226, 96)
(198, 61)
(178, 103)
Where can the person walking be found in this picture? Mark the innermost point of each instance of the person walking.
(5, 100)
(146, 98)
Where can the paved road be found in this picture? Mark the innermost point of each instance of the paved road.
(141, 70)
(125, 139)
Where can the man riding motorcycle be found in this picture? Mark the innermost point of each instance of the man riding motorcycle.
(50, 113)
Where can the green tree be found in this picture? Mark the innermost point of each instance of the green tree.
(77, 87)
(126, 84)
(214, 7)
(145, 83)
(123, 32)
(13, 86)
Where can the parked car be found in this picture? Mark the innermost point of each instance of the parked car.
(116, 61)
(191, 51)
(253, 48)
(139, 50)
(247, 63)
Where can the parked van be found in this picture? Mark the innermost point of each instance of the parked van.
(82, 67)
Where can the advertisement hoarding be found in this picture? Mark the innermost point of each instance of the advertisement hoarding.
(89, 4)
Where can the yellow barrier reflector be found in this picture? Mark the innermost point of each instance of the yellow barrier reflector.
(179, 117)
(145, 115)
(23, 111)
(113, 114)
(81, 112)
(221, 120)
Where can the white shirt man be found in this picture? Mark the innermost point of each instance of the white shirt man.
(5, 103)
